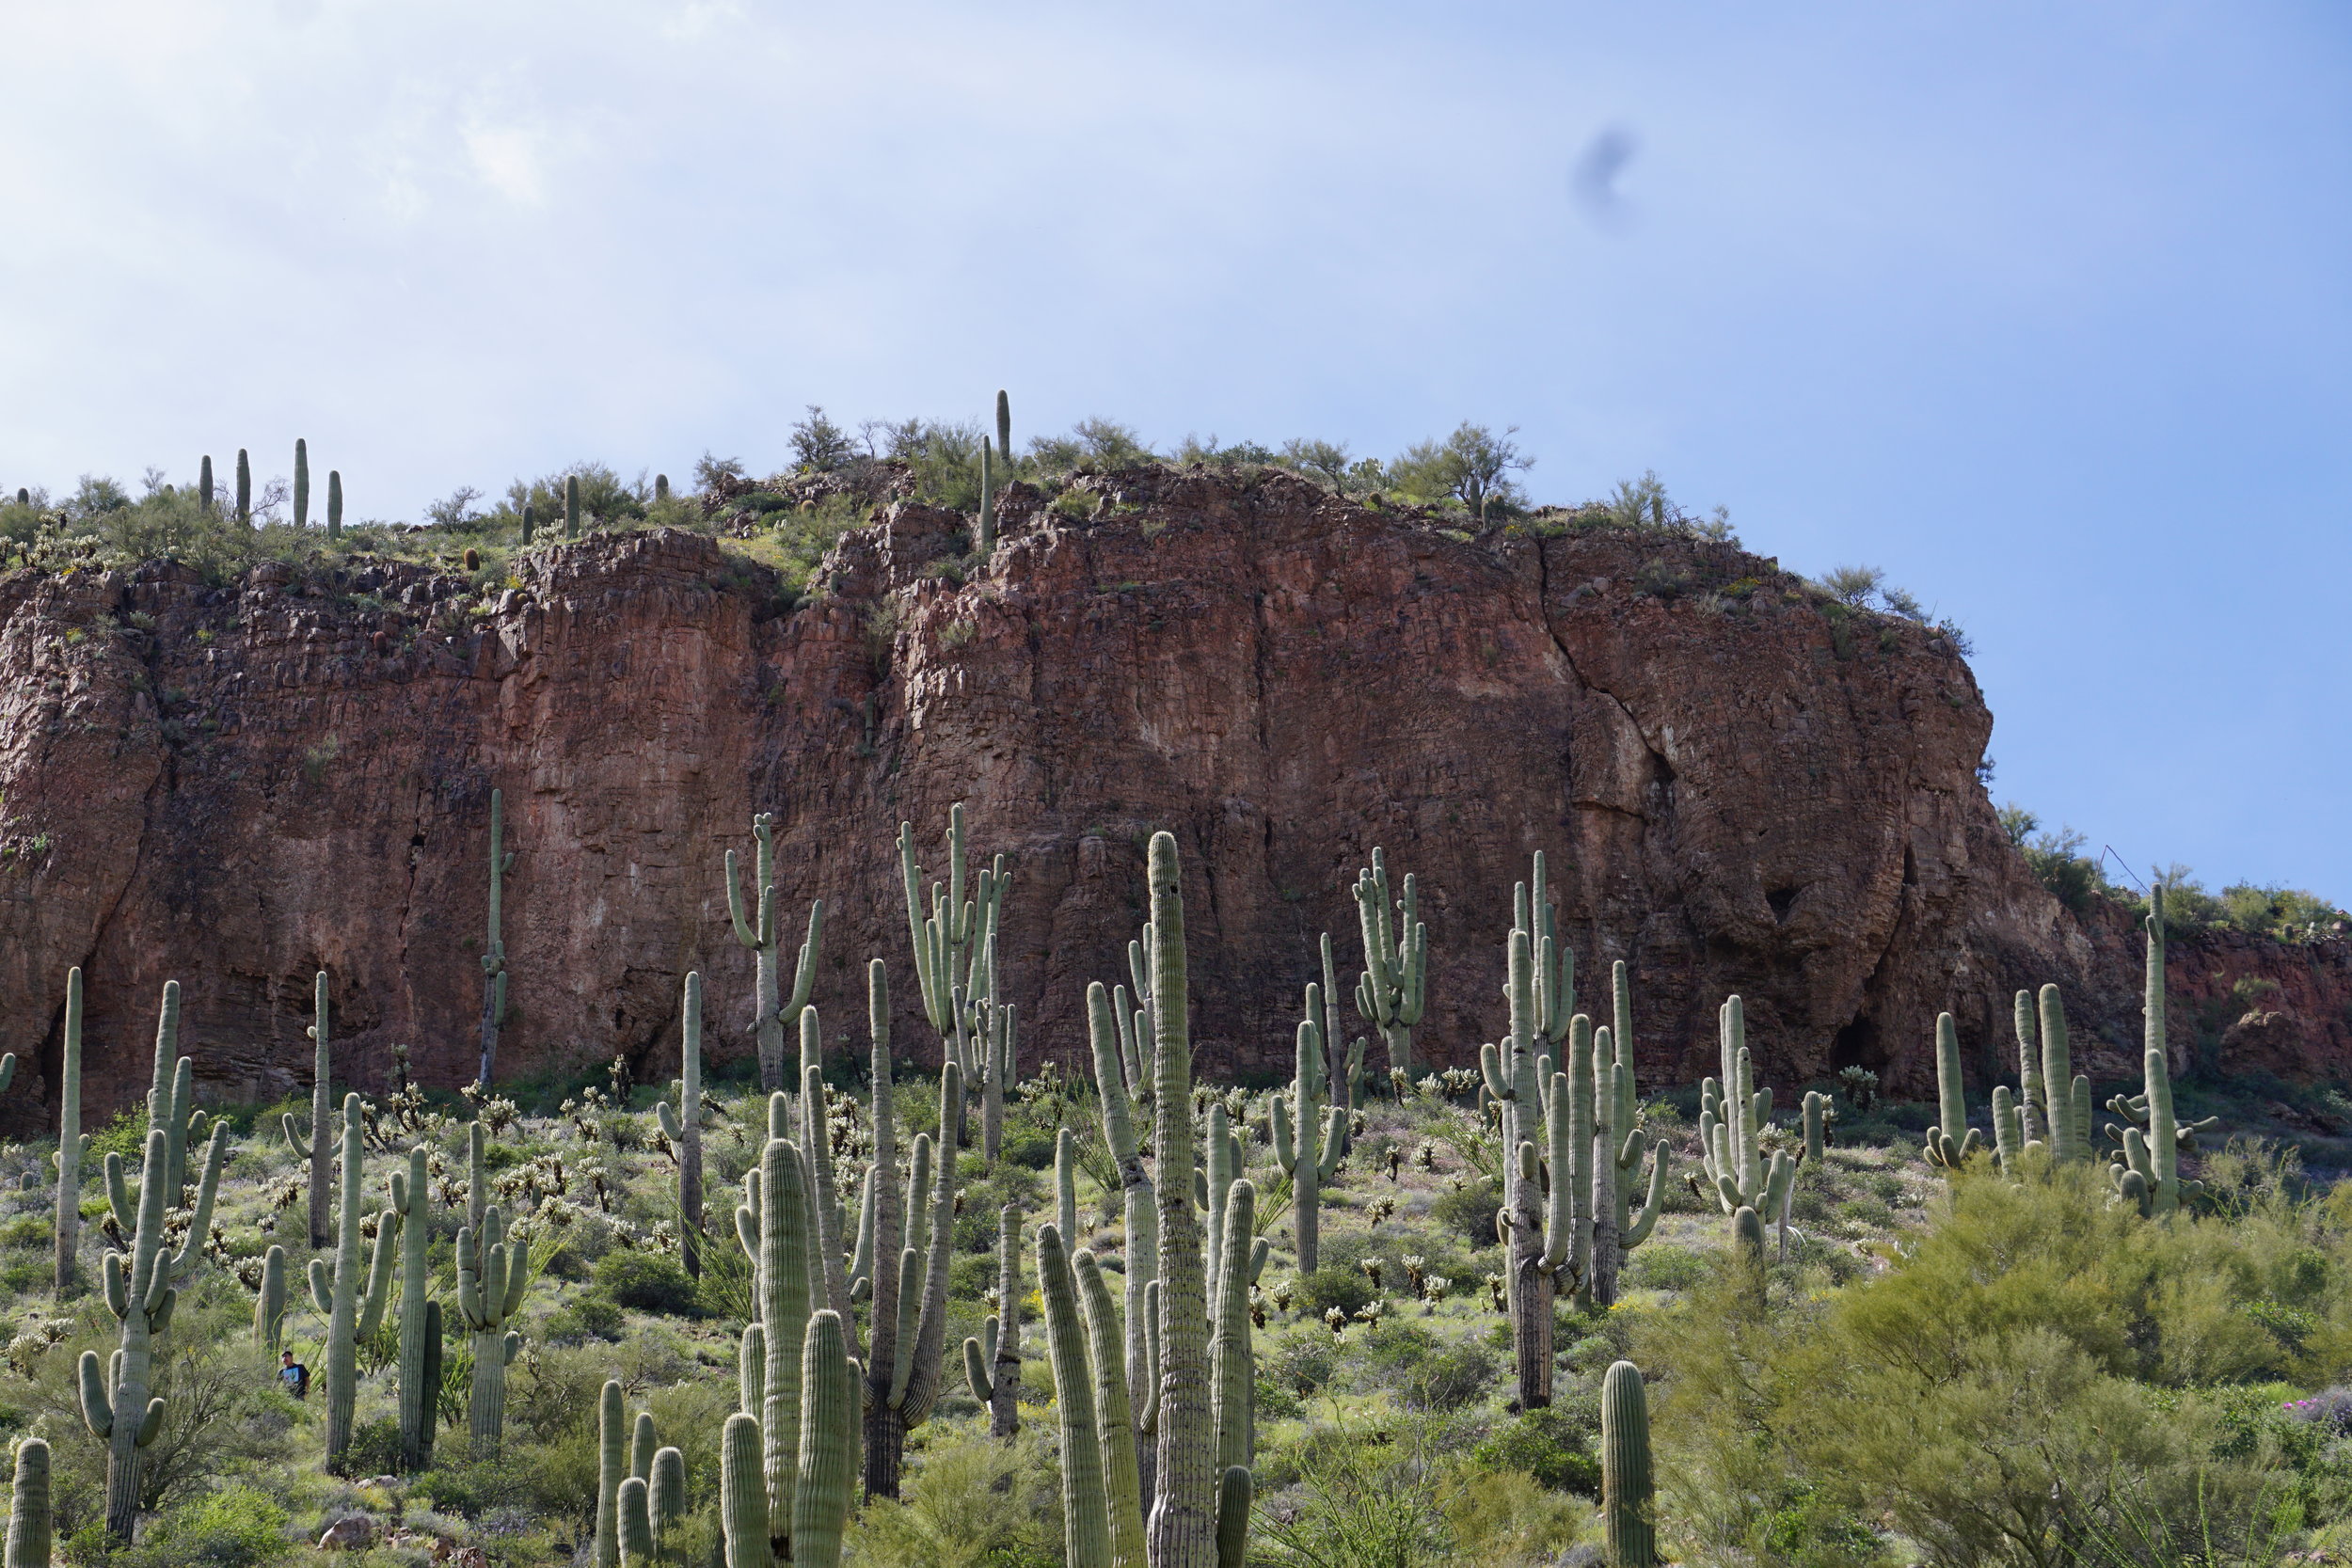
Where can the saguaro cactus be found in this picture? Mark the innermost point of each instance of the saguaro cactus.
(2008, 1132)
(1309, 1139)
(140, 1291)
(955, 946)
(612, 1469)
(1951, 1143)
(494, 943)
(353, 1312)
(1003, 427)
(205, 484)
(800, 1520)
(1627, 1487)
(419, 1318)
(316, 1149)
(244, 488)
(759, 929)
(334, 503)
(1389, 991)
(571, 506)
(984, 537)
(1120, 1080)
(1733, 1113)
(2147, 1167)
(2033, 1106)
(492, 1275)
(2069, 1092)
(1817, 1113)
(1194, 1507)
(28, 1508)
(73, 1143)
(269, 1304)
(903, 1370)
(302, 484)
(683, 1127)
(991, 1364)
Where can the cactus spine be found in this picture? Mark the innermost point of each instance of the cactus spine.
(244, 488)
(419, 1318)
(317, 1151)
(1003, 428)
(991, 1364)
(1627, 1487)
(1733, 1113)
(571, 506)
(73, 1143)
(492, 1275)
(1951, 1143)
(353, 1312)
(334, 503)
(1390, 990)
(140, 1285)
(302, 484)
(1309, 1139)
(759, 929)
(683, 1127)
(28, 1507)
(494, 946)
(269, 1305)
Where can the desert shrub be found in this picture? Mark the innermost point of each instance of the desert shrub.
(588, 1315)
(1301, 1363)
(1507, 1519)
(467, 1487)
(1029, 1148)
(1554, 1446)
(125, 1135)
(235, 1527)
(648, 1282)
(374, 1448)
(1426, 1372)
(1333, 1285)
(1469, 1213)
(1361, 1500)
(969, 1501)
(1658, 1266)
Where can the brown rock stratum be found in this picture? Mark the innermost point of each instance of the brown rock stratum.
(1738, 792)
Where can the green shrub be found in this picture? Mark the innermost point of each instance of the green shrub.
(468, 1487)
(30, 1231)
(125, 1135)
(1554, 1446)
(1661, 1266)
(648, 1282)
(1427, 1374)
(1029, 1148)
(1469, 1213)
(374, 1448)
(236, 1527)
(1333, 1285)
(587, 1316)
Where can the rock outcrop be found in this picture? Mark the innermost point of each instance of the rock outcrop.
(1740, 788)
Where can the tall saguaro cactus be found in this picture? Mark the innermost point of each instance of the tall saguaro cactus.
(1950, 1142)
(2147, 1167)
(28, 1507)
(1733, 1114)
(1627, 1487)
(571, 506)
(1308, 1140)
(757, 925)
(302, 484)
(205, 484)
(683, 1127)
(2069, 1092)
(1390, 990)
(984, 538)
(1003, 427)
(1120, 1080)
(353, 1311)
(991, 1364)
(1195, 1504)
(493, 942)
(244, 488)
(140, 1288)
(334, 504)
(799, 1522)
(73, 1143)
(492, 1275)
(316, 1150)
(954, 933)
(269, 1303)
(419, 1318)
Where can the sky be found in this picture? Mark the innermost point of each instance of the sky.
(2044, 309)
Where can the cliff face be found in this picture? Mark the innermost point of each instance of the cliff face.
(1737, 791)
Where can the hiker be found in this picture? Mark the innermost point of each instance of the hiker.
(294, 1375)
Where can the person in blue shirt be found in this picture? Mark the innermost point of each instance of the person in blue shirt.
(294, 1375)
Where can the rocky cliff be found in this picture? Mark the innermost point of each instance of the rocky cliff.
(1739, 787)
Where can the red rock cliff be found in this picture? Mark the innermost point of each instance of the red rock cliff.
(1738, 791)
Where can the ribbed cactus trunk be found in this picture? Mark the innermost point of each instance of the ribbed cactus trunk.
(72, 1144)
(420, 1318)
(612, 1469)
(317, 1150)
(571, 506)
(492, 1277)
(1182, 1529)
(1120, 1082)
(352, 1311)
(2069, 1096)
(757, 925)
(269, 1303)
(1628, 1490)
(28, 1508)
(1531, 1213)
(205, 484)
(1003, 427)
(684, 1127)
(1309, 1138)
(1085, 1511)
(244, 488)
(1389, 992)
(302, 484)
(984, 536)
(1601, 1287)
(334, 504)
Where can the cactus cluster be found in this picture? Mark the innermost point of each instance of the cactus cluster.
(354, 1308)
(1390, 990)
(141, 1284)
(419, 1315)
(1733, 1114)
(493, 1274)
(1309, 1137)
(2146, 1166)
(954, 931)
(641, 1486)
(758, 925)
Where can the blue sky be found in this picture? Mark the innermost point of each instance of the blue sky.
(2044, 309)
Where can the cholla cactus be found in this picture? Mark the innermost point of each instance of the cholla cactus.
(1390, 990)
(758, 927)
